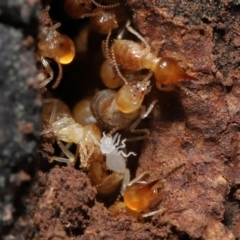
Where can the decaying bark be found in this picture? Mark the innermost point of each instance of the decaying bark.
(199, 130)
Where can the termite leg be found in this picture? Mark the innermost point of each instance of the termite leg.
(134, 32)
(49, 71)
(145, 131)
(70, 156)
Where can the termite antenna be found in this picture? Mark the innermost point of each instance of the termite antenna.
(60, 73)
(52, 30)
(85, 15)
(48, 70)
(104, 6)
(116, 67)
(106, 49)
(189, 93)
(44, 17)
(146, 79)
(112, 131)
(54, 110)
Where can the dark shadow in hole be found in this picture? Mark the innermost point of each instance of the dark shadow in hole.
(228, 89)
(170, 107)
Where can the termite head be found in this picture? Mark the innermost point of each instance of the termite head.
(103, 21)
(59, 47)
(140, 195)
(168, 71)
(130, 97)
(76, 8)
(107, 144)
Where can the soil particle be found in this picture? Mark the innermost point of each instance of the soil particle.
(64, 207)
(122, 227)
(47, 149)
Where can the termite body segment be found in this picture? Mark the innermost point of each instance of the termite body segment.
(105, 110)
(82, 112)
(117, 110)
(57, 119)
(104, 18)
(109, 75)
(76, 8)
(105, 182)
(138, 196)
(134, 56)
(58, 47)
(103, 21)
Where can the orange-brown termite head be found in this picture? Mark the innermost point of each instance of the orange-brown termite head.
(130, 97)
(140, 195)
(76, 8)
(168, 71)
(59, 47)
(103, 21)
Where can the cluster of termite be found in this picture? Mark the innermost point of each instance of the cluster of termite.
(94, 124)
